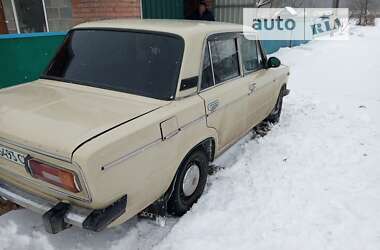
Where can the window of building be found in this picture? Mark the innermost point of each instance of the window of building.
(30, 16)
(26, 16)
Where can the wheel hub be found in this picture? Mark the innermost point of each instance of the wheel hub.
(191, 180)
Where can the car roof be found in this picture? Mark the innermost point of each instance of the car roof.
(183, 28)
(194, 34)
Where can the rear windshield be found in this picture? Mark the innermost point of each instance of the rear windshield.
(145, 64)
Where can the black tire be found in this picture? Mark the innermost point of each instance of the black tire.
(274, 116)
(179, 203)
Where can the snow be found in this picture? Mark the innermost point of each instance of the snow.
(313, 182)
(291, 10)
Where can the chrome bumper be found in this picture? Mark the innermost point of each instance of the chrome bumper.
(75, 215)
(58, 216)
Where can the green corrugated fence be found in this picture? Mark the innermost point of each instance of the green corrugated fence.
(165, 9)
(24, 57)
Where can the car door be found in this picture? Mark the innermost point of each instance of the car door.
(261, 81)
(224, 93)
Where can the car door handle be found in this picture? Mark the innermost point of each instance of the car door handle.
(252, 88)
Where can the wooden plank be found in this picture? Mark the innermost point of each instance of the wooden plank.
(6, 206)
(3, 24)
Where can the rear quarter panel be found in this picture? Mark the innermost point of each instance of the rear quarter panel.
(146, 175)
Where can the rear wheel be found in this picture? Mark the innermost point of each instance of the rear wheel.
(189, 184)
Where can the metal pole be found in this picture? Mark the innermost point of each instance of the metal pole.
(337, 4)
(15, 16)
(46, 20)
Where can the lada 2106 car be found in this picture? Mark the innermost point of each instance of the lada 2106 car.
(127, 117)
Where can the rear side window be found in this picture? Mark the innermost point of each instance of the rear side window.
(249, 54)
(224, 59)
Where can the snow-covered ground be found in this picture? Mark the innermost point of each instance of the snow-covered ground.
(312, 183)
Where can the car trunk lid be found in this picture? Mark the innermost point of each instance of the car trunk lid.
(57, 117)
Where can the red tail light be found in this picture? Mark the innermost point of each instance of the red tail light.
(56, 176)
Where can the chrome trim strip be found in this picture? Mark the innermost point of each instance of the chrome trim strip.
(171, 134)
(200, 73)
(75, 216)
(240, 56)
(211, 64)
(35, 150)
(83, 181)
(130, 155)
(192, 122)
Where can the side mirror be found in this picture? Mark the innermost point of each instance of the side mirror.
(273, 62)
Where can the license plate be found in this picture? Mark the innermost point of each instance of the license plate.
(12, 155)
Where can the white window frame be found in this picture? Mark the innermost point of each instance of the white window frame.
(16, 17)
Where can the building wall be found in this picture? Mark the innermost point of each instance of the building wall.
(231, 10)
(59, 14)
(8, 12)
(89, 10)
(63, 14)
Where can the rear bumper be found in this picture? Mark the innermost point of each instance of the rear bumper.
(95, 220)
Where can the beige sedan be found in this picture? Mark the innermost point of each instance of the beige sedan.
(127, 117)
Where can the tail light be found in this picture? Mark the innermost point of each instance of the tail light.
(56, 176)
